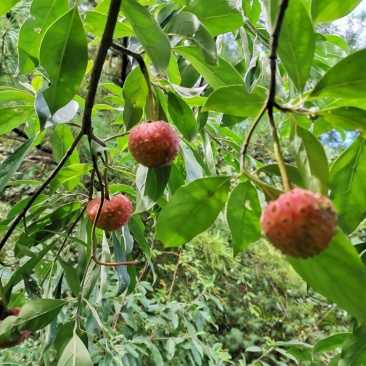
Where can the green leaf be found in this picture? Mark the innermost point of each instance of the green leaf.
(75, 353)
(95, 23)
(338, 274)
(192, 209)
(8, 331)
(330, 343)
(12, 117)
(311, 161)
(354, 348)
(36, 314)
(221, 16)
(64, 55)
(11, 164)
(348, 118)
(188, 25)
(156, 355)
(324, 11)
(292, 172)
(6, 5)
(42, 15)
(71, 275)
(182, 116)
(148, 32)
(235, 100)
(135, 94)
(62, 139)
(217, 76)
(120, 254)
(296, 44)
(346, 79)
(12, 94)
(348, 185)
(68, 175)
(139, 236)
(243, 213)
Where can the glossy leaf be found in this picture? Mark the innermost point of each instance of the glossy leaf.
(8, 94)
(151, 36)
(11, 164)
(217, 76)
(348, 118)
(36, 314)
(324, 11)
(62, 139)
(192, 209)
(330, 343)
(243, 213)
(338, 274)
(235, 100)
(42, 15)
(95, 23)
(221, 16)
(182, 116)
(187, 25)
(296, 44)
(346, 79)
(311, 161)
(6, 5)
(292, 172)
(348, 185)
(64, 55)
(75, 353)
(12, 117)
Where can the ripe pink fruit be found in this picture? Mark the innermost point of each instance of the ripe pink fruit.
(300, 223)
(115, 212)
(153, 144)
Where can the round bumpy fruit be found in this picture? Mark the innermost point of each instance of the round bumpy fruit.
(153, 144)
(300, 223)
(115, 212)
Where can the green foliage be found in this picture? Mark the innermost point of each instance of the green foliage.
(193, 295)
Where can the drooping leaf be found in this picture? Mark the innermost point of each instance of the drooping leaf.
(346, 79)
(243, 213)
(324, 11)
(187, 25)
(11, 164)
(217, 76)
(151, 36)
(75, 353)
(139, 236)
(42, 15)
(221, 16)
(134, 94)
(348, 118)
(62, 139)
(236, 100)
(292, 172)
(64, 55)
(296, 43)
(182, 116)
(311, 161)
(338, 274)
(330, 343)
(348, 185)
(71, 276)
(192, 209)
(354, 348)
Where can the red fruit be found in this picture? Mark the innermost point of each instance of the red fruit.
(115, 212)
(300, 223)
(25, 334)
(153, 144)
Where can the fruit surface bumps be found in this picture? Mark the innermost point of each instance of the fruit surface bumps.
(153, 144)
(115, 212)
(300, 223)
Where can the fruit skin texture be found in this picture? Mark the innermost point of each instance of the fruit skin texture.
(300, 223)
(25, 334)
(115, 212)
(153, 144)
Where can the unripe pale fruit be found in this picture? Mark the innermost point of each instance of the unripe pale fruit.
(153, 144)
(300, 223)
(115, 212)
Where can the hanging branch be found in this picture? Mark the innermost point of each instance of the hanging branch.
(270, 103)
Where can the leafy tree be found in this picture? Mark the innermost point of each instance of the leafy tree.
(230, 77)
